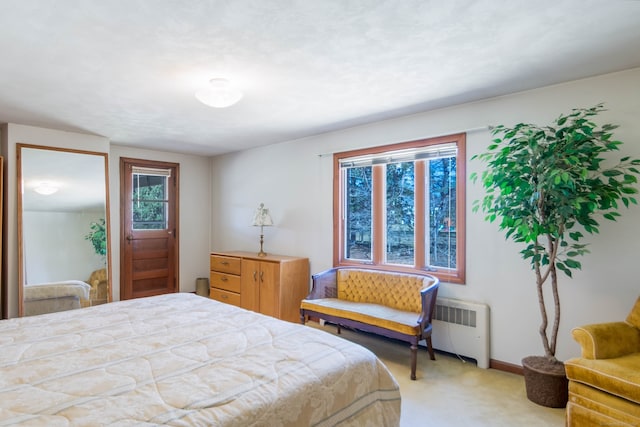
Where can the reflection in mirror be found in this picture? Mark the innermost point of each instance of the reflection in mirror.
(63, 239)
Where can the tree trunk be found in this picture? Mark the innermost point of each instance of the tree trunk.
(543, 312)
(556, 318)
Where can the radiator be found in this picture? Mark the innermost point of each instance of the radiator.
(462, 328)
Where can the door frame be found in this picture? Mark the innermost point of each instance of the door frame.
(124, 161)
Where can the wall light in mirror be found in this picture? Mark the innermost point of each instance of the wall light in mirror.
(220, 93)
(46, 188)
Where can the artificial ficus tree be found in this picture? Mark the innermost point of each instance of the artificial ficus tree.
(547, 186)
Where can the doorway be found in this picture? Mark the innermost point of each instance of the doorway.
(149, 228)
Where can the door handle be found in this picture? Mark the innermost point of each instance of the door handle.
(129, 237)
(262, 276)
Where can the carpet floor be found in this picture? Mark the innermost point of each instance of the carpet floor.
(452, 392)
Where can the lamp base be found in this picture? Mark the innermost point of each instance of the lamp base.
(262, 252)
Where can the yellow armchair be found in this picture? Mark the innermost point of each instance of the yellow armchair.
(99, 288)
(604, 383)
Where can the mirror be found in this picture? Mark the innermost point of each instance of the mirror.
(63, 241)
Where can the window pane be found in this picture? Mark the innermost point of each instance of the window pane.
(358, 214)
(442, 212)
(149, 202)
(400, 213)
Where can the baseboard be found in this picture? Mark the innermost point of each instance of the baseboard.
(506, 367)
(493, 364)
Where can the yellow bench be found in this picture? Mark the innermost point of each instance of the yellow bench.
(393, 304)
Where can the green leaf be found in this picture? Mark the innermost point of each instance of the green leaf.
(551, 182)
(609, 216)
(560, 266)
(570, 263)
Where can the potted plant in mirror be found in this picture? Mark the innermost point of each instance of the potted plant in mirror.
(548, 186)
(98, 237)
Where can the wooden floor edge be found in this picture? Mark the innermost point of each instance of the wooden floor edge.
(506, 367)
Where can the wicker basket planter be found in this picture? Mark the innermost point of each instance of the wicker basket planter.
(545, 382)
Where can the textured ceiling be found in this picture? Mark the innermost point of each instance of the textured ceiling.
(128, 69)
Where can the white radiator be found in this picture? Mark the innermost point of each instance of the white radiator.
(462, 328)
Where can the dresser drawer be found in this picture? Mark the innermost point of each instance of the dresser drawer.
(225, 281)
(225, 296)
(225, 264)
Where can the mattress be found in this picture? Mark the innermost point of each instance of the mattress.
(185, 360)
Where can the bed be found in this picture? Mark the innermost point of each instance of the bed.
(184, 360)
(41, 298)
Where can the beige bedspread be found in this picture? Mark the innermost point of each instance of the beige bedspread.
(184, 360)
(61, 289)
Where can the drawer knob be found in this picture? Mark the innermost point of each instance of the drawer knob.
(224, 262)
(224, 278)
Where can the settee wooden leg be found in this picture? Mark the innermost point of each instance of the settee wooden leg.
(430, 348)
(414, 360)
(339, 330)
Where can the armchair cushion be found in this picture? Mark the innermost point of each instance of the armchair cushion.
(592, 407)
(619, 376)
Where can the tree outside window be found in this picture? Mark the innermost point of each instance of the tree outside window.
(149, 202)
(399, 207)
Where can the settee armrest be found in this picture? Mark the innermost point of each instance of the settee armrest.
(428, 297)
(324, 285)
(607, 340)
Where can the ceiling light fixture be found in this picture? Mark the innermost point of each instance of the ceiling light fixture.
(46, 188)
(219, 94)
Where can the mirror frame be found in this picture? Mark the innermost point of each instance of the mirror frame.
(21, 264)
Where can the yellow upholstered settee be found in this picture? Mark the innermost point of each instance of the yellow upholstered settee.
(604, 384)
(392, 304)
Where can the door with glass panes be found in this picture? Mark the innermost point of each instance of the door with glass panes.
(148, 244)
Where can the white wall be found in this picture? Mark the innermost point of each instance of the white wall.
(295, 183)
(56, 240)
(195, 212)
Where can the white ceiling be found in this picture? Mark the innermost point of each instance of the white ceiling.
(79, 178)
(128, 69)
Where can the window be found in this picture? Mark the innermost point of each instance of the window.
(402, 207)
(150, 198)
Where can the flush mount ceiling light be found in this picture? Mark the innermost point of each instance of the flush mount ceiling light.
(46, 188)
(219, 94)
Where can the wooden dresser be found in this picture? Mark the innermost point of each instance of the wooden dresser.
(273, 285)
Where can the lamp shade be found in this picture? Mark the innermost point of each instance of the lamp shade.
(219, 94)
(261, 217)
